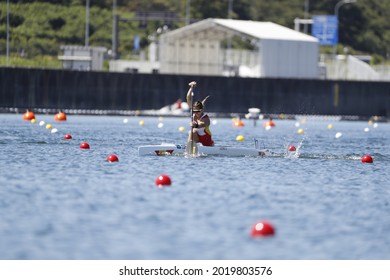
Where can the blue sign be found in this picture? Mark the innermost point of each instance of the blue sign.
(325, 29)
(136, 42)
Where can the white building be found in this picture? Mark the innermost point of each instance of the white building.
(278, 52)
(82, 58)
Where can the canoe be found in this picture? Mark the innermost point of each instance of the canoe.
(172, 149)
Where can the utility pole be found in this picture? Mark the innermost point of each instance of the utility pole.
(336, 13)
(188, 8)
(114, 31)
(7, 51)
(306, 15)
(230, 11)
(87, 23)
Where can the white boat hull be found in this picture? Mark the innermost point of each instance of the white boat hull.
(172, 149)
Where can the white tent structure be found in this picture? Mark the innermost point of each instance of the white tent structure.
(279, 52)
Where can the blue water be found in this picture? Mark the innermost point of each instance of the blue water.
(58, 201)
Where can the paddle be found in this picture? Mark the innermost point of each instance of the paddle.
(192, 148)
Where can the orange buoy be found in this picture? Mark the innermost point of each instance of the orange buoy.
(238, 123)
(367, 159)
(261, 229)
(84, 145)
(60, 117)
(269, 123)
(163, 180)
(112, 158)
(292, 148)
(28, 116)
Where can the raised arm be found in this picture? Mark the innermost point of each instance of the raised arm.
(189, 93)
(204, 100)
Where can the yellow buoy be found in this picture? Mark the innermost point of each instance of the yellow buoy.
(33, 121)
(330, 126)
(240, 138)
(48, 126)
(300, 131)
(181, 128)
(141, 123)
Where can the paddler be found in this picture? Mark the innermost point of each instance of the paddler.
(200, 120)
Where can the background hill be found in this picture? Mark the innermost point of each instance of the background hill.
(39, 28)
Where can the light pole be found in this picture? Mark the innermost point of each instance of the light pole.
(229, 39)
(87, 23)
(7, 51)
(336, 13)
(188, 8)
(306, 16)
(230, 9)
(114, 31)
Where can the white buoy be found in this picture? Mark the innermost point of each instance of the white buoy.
(338, 135)
(366, 129)
(125, 121)
(41, 123)
(54, 130)
(160, 125)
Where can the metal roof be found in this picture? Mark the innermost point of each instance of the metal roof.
(264, 30)
(255, 29)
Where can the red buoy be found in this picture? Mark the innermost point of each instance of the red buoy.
(292, 148)
(60, 117)
(261, 229)
(238, 123)
(163, 180)
(84, 145)
(367, 159)
(28, 116)
(269, 123)
(67, 136)
(112, 158)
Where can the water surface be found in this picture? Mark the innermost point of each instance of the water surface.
(58, 201)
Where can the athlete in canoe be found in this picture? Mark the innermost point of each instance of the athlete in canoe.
(200, 120)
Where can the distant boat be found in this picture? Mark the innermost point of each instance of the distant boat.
(176, 109)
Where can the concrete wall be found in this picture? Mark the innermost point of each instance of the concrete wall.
(289, 59)
(64, 89)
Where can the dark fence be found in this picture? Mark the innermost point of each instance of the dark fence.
(64, 89)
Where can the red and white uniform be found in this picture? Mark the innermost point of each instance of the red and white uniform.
(204, 133)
